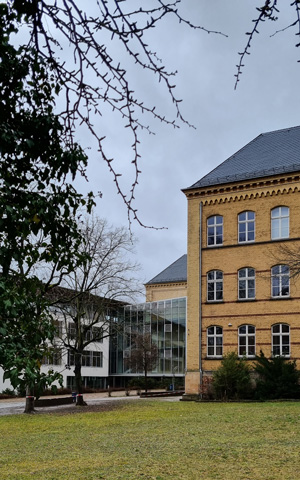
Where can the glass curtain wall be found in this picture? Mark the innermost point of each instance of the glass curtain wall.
(166, 322)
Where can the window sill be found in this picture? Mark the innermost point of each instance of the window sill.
(210, 302)
(282, 355)
(279, 239)
(287, 297)
(246, 300)
(213, 358)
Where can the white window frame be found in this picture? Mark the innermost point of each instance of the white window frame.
(277, 215)
(97, 358)
(215, 336)
(248, 222)
(247, 336)
(54, 357)
(214, 281)
(71, 330)
(247, 278)
(280, 276)
(217, 221)
(280, 344)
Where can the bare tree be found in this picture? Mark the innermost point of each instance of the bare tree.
(96, 292)
(143, 355)
(289, 255)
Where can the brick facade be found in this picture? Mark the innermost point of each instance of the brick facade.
(165, 291)
(229, 200)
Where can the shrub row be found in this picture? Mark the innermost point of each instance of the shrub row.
(268, 379)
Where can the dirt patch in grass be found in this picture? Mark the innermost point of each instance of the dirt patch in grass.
(73, 409)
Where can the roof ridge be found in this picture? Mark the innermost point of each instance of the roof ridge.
(226, 160)
(280, 130)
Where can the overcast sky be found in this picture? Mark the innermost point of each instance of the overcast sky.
(225, 119)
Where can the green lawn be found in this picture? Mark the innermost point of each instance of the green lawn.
(155, 440)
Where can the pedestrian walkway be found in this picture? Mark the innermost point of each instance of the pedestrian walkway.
(15, 406)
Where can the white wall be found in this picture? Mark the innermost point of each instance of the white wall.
(102, 372)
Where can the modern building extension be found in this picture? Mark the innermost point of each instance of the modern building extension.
(165, 321)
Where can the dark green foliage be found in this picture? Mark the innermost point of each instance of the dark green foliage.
(8, 392)
(139, 382)
(232, 379)
(38, 207)
(277, 378)
(24, 331)
(152, 382)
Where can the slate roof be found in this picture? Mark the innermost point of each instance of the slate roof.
(270, 153)
(176, 272)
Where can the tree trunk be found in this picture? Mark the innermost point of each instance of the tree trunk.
(78, 380)
(146, 380)
(29, 404)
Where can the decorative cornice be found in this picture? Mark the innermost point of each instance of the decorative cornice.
(247, 190)
(169, 284)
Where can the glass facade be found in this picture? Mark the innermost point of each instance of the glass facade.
(166, 322)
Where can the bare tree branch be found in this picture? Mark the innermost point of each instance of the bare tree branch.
(268, 11)
(91, 77)
(95, 290)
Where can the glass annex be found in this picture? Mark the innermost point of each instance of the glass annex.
(166, 322)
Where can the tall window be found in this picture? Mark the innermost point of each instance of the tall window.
(246, 222)
(280, 222)
(214, 341)
(98, 359)
(246, 341)
(95, 334)
(246, 283)
(280, 279)
(88, 358)
(215, 230)
(280, 339)
(53, 357)
(215, 286)
(71, 330)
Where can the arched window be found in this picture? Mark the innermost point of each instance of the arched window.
(214, 341)
(281, 339)
(280, 222)
(280, 281)
(215, 286)
(246, 223)
(215, 230)
(246, 283)
(246, 341)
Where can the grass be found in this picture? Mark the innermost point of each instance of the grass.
(155, 440)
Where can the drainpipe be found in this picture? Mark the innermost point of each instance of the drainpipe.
(200, 296)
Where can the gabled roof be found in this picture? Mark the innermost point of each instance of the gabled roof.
(270, 153)
(176, 272)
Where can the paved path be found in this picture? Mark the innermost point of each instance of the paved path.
(14, 406)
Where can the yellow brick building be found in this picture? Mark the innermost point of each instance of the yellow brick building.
(243, 217)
